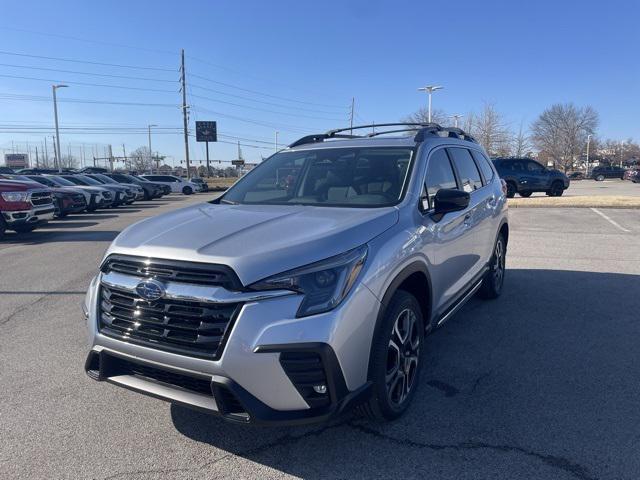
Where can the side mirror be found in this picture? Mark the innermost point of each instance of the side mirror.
(449, 200)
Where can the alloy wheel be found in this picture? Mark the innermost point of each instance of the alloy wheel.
(402, 357)
(498, 265)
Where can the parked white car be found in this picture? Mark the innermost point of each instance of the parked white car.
(177, 184)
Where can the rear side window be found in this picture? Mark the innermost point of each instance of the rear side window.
(439, 174)
(485, 166)
(467, 171)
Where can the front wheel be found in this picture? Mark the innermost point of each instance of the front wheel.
(494, 278)
(187, 190)
(556, 190)
(25, 228)
(394, 366)
(600, 178)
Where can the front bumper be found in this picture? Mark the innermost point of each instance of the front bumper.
(252, 380)
(33, 215)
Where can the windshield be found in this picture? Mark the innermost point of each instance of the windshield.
(89, 180)
(332, 177)
(62, 181)
(104, 178)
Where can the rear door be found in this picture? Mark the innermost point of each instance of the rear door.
(537, 175)
(477, 218)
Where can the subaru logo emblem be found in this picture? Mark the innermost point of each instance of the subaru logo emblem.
(150, 290)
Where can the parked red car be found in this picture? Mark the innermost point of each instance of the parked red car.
(632, 174)
(24, 205)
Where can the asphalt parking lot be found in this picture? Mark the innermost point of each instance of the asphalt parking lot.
(541, 383)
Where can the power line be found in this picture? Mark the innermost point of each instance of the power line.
(36, 98)
(128, 77)
(87, 84)
(88, 62)
(262, 109)
(342, 107)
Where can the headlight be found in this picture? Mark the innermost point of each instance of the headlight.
(324, 284)
(15, 196)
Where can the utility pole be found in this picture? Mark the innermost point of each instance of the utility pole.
(430, 89)
(353, 102)
(275, 145)
(150, 152)
(588, 142)
(124, 153)
(184, 113)
(621, 151)
(46, 153)
(110, 158)
(55, 154)
(55, 114)
(37, 159)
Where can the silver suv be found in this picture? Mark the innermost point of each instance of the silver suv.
(309, 286)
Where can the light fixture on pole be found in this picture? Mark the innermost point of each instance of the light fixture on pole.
(58, 157)
(455, 119)
(588, 142)
(430, 89)
(150, 152)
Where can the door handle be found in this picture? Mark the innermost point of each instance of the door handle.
(467, 220)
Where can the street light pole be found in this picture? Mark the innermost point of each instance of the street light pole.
(455, 119)
(150, 151)
(276, 141)
(430, 89)
(588, 142)
(55, 114)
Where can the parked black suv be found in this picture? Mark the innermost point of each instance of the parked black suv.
(525, 176)
(600, 173)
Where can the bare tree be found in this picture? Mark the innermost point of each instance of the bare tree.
(491, 130)
(68, 161)
(140, 159)
(521, 146)
(422, 116)
(561, 132)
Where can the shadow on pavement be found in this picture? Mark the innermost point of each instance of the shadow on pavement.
(65, 223)
(542, 382)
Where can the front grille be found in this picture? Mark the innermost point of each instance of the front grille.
(79, 199)
(305, 369)
(183, 272)
(186, 327)
(107, 195)
(119, 366)
(41, 198)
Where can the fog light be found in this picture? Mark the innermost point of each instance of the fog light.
(321, 389)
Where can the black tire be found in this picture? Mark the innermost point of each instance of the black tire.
(599, 178)
(525, 194)
(394, 388)
(511, 189)
(187, 190)
(30, 227)
(557, 189)
(147, 196)
(3, 227)
(493, 280)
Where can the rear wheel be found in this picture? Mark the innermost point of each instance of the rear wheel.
(556, 190)
(187, 190)
(494, 278)
(599, 178)
(525, 194)
(511, 189)
(394, 367)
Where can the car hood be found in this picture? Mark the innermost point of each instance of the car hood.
(255, 240)
(20, 185)
(92, 188)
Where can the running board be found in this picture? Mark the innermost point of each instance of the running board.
(459, 304)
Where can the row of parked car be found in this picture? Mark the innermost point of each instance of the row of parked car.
(30, 197)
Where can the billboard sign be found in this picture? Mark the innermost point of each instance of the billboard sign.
(16, 160)
(206, 132)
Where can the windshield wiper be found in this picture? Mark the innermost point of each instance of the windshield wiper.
(229, 202)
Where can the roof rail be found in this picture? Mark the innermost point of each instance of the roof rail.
(422, 128)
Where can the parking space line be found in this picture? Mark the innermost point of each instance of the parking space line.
(611, 221)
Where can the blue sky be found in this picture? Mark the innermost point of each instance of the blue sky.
(310, 59)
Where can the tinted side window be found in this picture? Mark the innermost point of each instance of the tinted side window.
(439, 174)
(469, 175)
(485, 166)
(534, 167)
